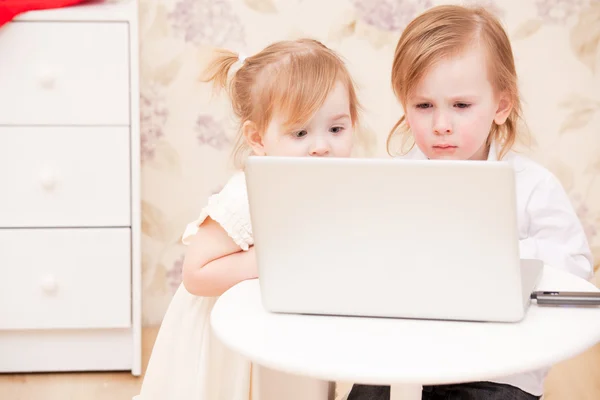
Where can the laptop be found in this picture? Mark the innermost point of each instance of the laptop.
(389, 238)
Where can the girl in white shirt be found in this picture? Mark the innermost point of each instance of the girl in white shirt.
(454, 75)
(294, 98)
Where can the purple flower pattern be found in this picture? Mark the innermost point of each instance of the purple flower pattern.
(389, 15)
(559, 11)
(211, 133)
(153, 116)
(174, 274)
(208, 22)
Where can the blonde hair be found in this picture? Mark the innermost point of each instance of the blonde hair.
(445, 31)
(289, 78)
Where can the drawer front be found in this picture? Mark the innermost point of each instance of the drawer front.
(57, 73)
(65, 278)
(64, 176)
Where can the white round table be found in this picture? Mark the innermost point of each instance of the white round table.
(403, 353)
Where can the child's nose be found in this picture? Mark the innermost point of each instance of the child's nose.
(441, 124)
(319, 147)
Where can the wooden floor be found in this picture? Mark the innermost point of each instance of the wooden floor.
(576, 379)
(77, 386)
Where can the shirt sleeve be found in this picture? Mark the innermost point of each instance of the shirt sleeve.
(230, 209)
(555, 233)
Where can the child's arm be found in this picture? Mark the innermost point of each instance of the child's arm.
(556, 235)
(214, 262)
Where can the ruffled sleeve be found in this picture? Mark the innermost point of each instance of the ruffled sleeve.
(230, 209)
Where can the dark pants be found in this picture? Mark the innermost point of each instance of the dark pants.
(465, 391)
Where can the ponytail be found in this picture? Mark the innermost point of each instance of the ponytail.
(218, 69)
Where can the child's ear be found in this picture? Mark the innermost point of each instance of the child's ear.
(253, 138)
(505, 106)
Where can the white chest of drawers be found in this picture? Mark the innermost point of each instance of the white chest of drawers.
(70, 275)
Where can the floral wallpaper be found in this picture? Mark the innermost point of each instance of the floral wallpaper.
(187, 131)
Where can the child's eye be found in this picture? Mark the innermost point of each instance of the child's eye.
(424, 105)
(336, 129)
(300, 134)
(462, 105)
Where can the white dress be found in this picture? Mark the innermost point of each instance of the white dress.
(187, 361)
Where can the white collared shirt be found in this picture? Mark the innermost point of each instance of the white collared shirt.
(549, 230)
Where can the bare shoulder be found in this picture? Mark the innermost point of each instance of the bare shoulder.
(212, 234)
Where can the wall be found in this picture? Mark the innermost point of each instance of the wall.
(187, 132)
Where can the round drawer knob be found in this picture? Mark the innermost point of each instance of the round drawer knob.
(47, 79)
(49, 284)
(48, 180)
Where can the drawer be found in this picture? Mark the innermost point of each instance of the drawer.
(65, 278)
(64, 176)
(64, 73)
